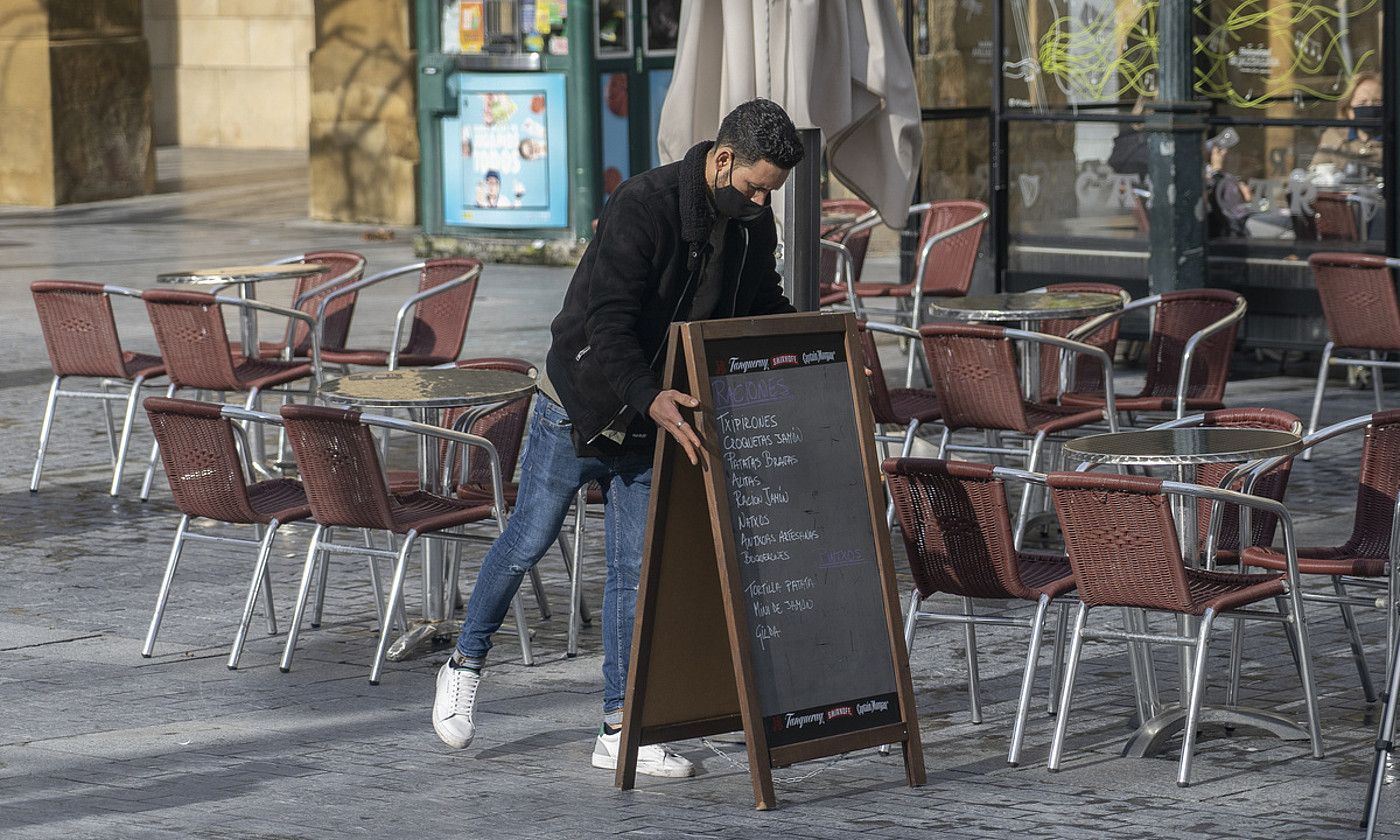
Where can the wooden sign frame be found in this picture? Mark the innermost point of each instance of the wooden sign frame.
(691, 671)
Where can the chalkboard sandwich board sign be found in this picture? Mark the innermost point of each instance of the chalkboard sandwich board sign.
(767, 598)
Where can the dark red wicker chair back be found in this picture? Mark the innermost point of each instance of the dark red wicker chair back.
(1358, 300)
(857, 243)
(974, 375)
(189, 328)
(956, 527)
(880, 405)
(1273, 485)
(1088, 373)
(1335, 218)
(336, 330)
(504, 426)
(950, 263)
(440, 322)
(1180, 315)
(1377, 488)
(1121, 541)
(79, 329)
(339, 464)
(201, 460)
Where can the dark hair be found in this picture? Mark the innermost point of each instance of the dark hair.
(760, 130)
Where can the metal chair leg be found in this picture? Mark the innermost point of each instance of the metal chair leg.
(395, 596)
(576, 571)
(1232, 691)
(308, 570)
(522, 627)
(1032, 461)
(1057, 743)
(1305, 670)
(1193, 709)
(1057, 662)
(150, 644)
(1358, 653)
(49, 407)
(1023, 704)
(1385, 747)
(541, 599)
(1377, 384)
(124, 442)
(155, 455)
(260, 582)
(320, 594)
(1322, 368)
(974, 681)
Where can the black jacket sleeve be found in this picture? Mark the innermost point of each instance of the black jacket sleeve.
(623, 268)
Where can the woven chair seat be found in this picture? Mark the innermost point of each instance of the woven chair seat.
(282, 499)
(1051, 418)
(262, 373)
(1337, 560)
(1222, 591)
(380, 358)
(141, 364)
(1045, 574)
(422, 511)
(911, 404)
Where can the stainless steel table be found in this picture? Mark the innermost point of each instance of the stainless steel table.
(426, 392)
(1027, 308)
(246, 277)
(1183, 449)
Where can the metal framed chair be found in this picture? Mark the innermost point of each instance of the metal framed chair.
(435, 317)
(210, 478)
(1123, 547)
(1368, 558)
(1363, 316)
(80, 333)
(192, 336)
(1188, 357)
(843, 249)
(975, 375)
(957, 533)
(340, 467)
(1335, 217)
(341, 269)
(1086, 375)
(908, 408)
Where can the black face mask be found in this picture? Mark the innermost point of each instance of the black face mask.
(1367, 112)
(734, 204)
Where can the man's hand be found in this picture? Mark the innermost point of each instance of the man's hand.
(665, 412)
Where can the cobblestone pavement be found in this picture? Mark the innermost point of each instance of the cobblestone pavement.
(97, 742)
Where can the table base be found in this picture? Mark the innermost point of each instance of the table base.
(1151, 737)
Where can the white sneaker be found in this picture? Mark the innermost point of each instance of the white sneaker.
(652, 760)
(454, 707)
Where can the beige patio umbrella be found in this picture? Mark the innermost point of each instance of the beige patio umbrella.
(839, 65)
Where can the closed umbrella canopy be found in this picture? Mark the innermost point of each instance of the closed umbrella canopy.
(839, 65)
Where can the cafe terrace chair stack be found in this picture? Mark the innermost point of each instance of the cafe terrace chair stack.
(190, 330)
(1363, 319)
(340, 467)
(957, 533)
(80, 333)
(1188, 353)
(434, 318)
(1123, 547)
(210, 478)
(979, 389)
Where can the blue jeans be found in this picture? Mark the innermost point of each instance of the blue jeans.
(550, 475)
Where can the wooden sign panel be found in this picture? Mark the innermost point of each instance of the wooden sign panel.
(767, 597)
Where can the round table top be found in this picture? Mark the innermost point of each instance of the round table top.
(1026, 306)
(427, 387)
(1198, 445)
(241, 274)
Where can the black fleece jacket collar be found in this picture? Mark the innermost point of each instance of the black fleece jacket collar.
(697, 215)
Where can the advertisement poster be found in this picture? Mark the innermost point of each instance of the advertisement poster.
(505, 155)
(616, 145)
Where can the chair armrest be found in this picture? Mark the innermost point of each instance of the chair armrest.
(293, 314)
(1248, 502)
(894, 329)
(233, 412)
(1392, 262)
(121, 290)
(326, 286)
(364, 282)
(844, 260)
(1098, 322)
(1178, 423)
(1024, 476)
(1184, 377)
(452, 436)
(1110, 407)
(933, 240)
(414, 300)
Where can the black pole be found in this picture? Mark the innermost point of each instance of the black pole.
(999, 135)
(1390, 47)
(801, 257)
(1175, 126)
(909, 227)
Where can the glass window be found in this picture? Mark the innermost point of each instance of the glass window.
(614, 27)
(663, 24)
(1083, 53)
(956, 155)
(953, 53)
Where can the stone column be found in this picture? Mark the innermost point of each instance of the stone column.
(75, 102)
(364, 132)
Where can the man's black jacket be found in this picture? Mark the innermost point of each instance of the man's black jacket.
(636, 277)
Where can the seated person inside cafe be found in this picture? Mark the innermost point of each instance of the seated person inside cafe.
(688, 241)
(1352, 152)
(1231, 208)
